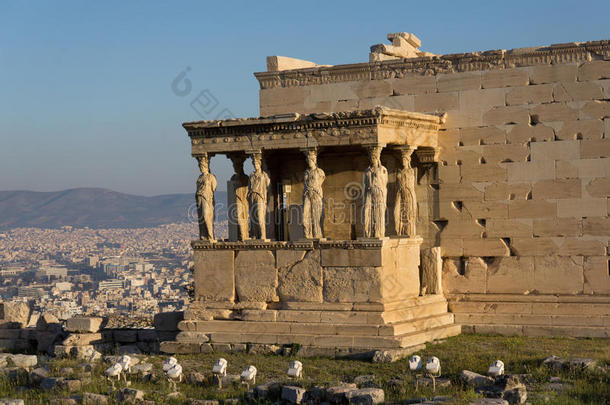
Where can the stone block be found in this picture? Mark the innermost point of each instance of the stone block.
(587, 168)
(125, 335)
(431, 271)
(581, 129)
(406, 102)
(598, 187)
(415, 85)
(482, 136)
(485, 247)
(562, 150)
(596, 276)
(596, 226)
(582, 247)
(555, 189)
(436, 102)
(84, 324)
(293, 395)
(302, 281)
(452, 247)
(530, 95)
(532, 209)
(464, 228)
(580, 208)
(523, 172)
(14, 315)
(486, 209)
(259, 315)
(458, 81)
(288, 257)
(337, 257)
(481, 100)
(279, 96)
(524, 133)
(595, 149)
(510, 275)
(594, 70)
(168, 321)
(459, 192)
(372, 88)
(505, 78)
(365, 396)
(503, 153)
(553, 112)
(553, 73)
(214, 275)
(82, 339)
(256, 276)
(533, 246)
(558, 275)
(483, 172)
(506, 115)
(596, 109)
(473, 279)
(577, 91)
(557, 227)
(507, 228)
(352, 284)
(504, 191)
(332, 92)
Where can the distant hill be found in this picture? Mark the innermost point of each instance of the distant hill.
(95, 208)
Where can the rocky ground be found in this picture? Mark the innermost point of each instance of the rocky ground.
(537, 370)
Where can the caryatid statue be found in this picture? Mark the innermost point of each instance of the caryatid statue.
(405, 208)
(206, 185)
(375, 186)
(258, 186)
(239, 182)
(312, 196)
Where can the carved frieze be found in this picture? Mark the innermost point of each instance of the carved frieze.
(432, 65)
(306, 131)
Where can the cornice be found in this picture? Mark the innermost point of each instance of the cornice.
(300, 125)
(573, 52)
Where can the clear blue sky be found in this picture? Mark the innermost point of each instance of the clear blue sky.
(85, 87)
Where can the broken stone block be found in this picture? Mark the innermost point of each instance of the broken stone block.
(338, 393)
(130, 395)
(95, 399)
(476, 380)
(366, 396)
(14, 315)
(293, 395)
(83, 324)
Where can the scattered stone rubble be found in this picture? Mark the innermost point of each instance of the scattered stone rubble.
(503, 389)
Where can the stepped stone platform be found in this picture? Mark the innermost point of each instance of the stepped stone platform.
(532, 315)
(355, 297)
(343, 328)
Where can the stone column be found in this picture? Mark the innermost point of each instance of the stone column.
(206, 185)
(258, 191)
(375, 195)
(237, 189)
(405, 205)
(313, 196)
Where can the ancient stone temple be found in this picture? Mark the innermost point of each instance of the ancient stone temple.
(384, 191)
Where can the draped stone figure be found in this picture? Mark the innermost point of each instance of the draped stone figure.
(239, 181)
(375, 184)
(313, 197)
(206, 185)
(405, 208)
(258, 187)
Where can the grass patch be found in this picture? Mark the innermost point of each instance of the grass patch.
(521, 355)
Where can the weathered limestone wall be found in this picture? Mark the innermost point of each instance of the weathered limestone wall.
(521, 198)
(255, 276)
